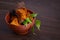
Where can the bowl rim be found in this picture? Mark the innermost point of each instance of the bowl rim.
(7, 15)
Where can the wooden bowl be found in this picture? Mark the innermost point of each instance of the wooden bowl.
(21, 29)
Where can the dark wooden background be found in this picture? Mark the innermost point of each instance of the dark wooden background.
(48, 12)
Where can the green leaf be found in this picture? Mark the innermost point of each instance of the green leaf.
(33, 29)
(38, 23)
(28, 20)
(25, 23)
(33, 15)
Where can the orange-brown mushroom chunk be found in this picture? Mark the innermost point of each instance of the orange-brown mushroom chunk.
(15, 22)
(22, 13)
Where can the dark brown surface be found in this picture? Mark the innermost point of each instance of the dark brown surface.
(48, 12)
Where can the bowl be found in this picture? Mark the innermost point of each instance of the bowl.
(21, 29)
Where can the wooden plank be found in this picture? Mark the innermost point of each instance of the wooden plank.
(48, 12)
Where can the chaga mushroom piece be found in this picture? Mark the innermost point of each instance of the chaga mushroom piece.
(22, 12)
(15, 22)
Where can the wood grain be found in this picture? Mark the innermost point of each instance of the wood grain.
(48, 12)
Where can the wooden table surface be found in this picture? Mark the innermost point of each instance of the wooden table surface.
(48, 12)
